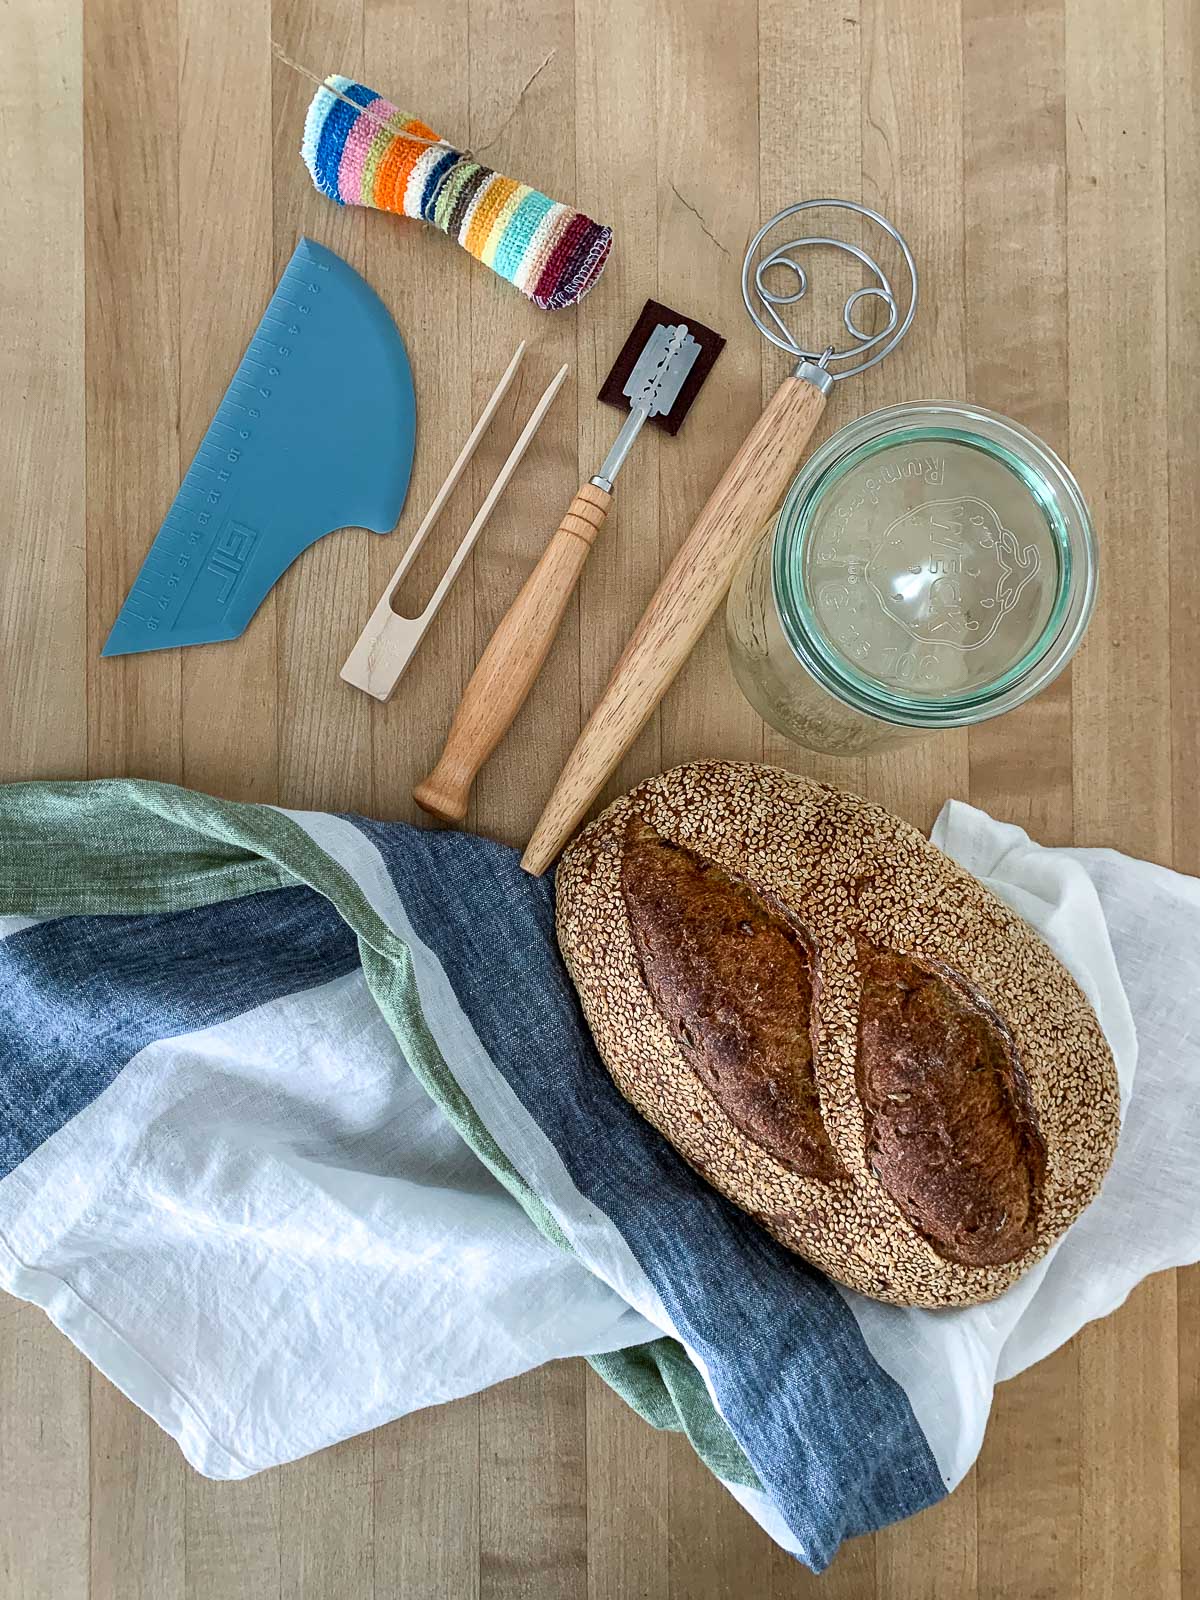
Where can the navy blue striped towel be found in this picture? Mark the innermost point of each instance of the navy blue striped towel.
(303, 1130)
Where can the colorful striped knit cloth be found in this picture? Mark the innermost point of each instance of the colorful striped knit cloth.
(552, 253)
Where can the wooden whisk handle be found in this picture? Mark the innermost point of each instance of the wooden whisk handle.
(513, 658)
(683, 604)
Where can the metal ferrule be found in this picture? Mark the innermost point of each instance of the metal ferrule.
(820, 377)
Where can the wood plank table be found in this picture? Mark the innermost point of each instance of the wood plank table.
(1040, 155)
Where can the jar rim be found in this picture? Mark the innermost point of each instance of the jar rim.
(1068, 519)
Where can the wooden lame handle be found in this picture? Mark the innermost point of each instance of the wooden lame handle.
(513, 658)
(683, 604)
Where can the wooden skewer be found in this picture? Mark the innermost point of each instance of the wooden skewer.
(388, 642)
(685, 600)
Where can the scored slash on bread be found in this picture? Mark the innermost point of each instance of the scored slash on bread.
(839, 1028)
(732, 977)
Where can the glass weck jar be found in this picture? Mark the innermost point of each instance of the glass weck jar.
(932, 565)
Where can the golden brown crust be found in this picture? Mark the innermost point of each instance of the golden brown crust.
(733, 979)
(851, 876)
(951, 1130)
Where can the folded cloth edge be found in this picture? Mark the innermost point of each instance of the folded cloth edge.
(221, 849)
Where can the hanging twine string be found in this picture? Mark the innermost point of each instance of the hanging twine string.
(330, 84)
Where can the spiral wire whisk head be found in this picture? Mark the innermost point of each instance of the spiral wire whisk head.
(865, 348)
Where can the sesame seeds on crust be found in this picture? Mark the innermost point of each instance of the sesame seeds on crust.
(849, 870)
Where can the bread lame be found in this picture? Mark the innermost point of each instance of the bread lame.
(656, 377)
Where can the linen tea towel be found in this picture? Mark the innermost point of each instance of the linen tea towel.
(339, 1062)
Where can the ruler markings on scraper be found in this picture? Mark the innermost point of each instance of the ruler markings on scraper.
(189, 531)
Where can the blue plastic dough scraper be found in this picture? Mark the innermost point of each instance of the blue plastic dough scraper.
(316, 432)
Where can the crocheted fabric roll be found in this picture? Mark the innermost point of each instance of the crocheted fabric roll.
(551, 252)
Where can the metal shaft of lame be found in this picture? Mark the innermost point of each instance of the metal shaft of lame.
(621, 447)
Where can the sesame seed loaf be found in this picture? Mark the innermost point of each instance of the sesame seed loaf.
(839, 1028)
